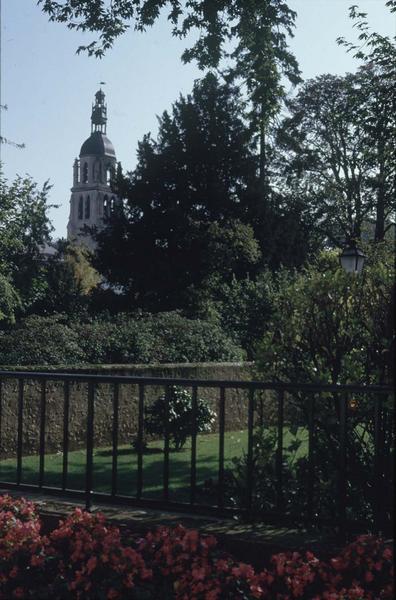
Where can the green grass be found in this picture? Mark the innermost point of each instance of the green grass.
(235, 446)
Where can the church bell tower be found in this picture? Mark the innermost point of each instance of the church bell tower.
(91, 196)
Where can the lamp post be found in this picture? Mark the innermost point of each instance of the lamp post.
(352, 259)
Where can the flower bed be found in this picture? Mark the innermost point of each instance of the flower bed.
(87, 558)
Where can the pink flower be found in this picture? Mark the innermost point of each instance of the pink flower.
(91, 564)
(387, 554)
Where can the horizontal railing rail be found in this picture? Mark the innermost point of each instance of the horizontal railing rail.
(216, 383)
(309, 395)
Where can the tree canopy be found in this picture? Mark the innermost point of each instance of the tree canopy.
(24, 228)
(337, 141)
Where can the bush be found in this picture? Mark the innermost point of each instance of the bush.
(333, 328)
(180, 416)
(242, 308)
(85, 557)
(40, 341)
(124, 339)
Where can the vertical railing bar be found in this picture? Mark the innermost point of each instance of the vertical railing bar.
(261, 421)
(343, 400)
(194, 410)
(377, 462)
(114, 466)
(20, 430)
(139, 487)
(166, 445)
(279, 453)
(42, 432)
(249, 491)
(66, 408)
(1, 413)
(311, 442)
(89, 458)
(220, 499)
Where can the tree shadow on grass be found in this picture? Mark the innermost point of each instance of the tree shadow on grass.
(126, 451)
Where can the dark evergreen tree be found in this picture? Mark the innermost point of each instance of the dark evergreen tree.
(186, 201)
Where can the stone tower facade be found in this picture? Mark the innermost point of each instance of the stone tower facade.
(91, 196)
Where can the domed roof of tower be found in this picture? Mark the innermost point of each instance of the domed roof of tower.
(98, 144)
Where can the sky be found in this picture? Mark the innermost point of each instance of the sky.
(49, 89)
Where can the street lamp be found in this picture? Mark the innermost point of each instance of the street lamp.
(352, 259)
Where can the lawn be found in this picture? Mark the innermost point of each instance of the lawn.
(235, 446)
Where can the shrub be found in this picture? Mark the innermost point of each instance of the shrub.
(92, 561)
(40, 341)
(85, 557)
(179, 339)
(180, 416)
(125, 339)
(24, 557)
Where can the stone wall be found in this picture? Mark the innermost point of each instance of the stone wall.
(236, 404)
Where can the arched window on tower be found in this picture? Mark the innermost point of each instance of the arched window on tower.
(97, 171)
(87, 207)
(106, 206)
(110, 173)
(85, 173)
(80, 208)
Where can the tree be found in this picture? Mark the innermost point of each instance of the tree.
(329, 327)
(261, 58)
(24, 228)
(251, 35)
(242, 307)
(69, 281)
(4, 140)
(343, 170)
(186, 210)
(376, 113)
(9, 301)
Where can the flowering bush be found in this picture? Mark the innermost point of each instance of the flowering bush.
(23, 550)
(84, 557)
(92, 557)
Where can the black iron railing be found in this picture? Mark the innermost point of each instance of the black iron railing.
(310, 396)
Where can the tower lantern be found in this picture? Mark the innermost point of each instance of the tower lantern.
(99, 113)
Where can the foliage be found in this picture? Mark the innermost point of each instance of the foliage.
(242, 308)
(69, 281)
(121, 339)
(40, 341)
(344, 167)
(22, 549)
(193, 208)
(219, 25)
(91, 557)
(377, 77)
(86, 557)
(10, 301)
(177, 411)
(332, 327)
(24, 227)
(185, 202)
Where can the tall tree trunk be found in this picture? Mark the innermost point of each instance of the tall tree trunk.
(380, 214)
(380, 206)
(263, 160)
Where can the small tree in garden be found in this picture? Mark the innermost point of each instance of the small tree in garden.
(180, 416)
(330, 327)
